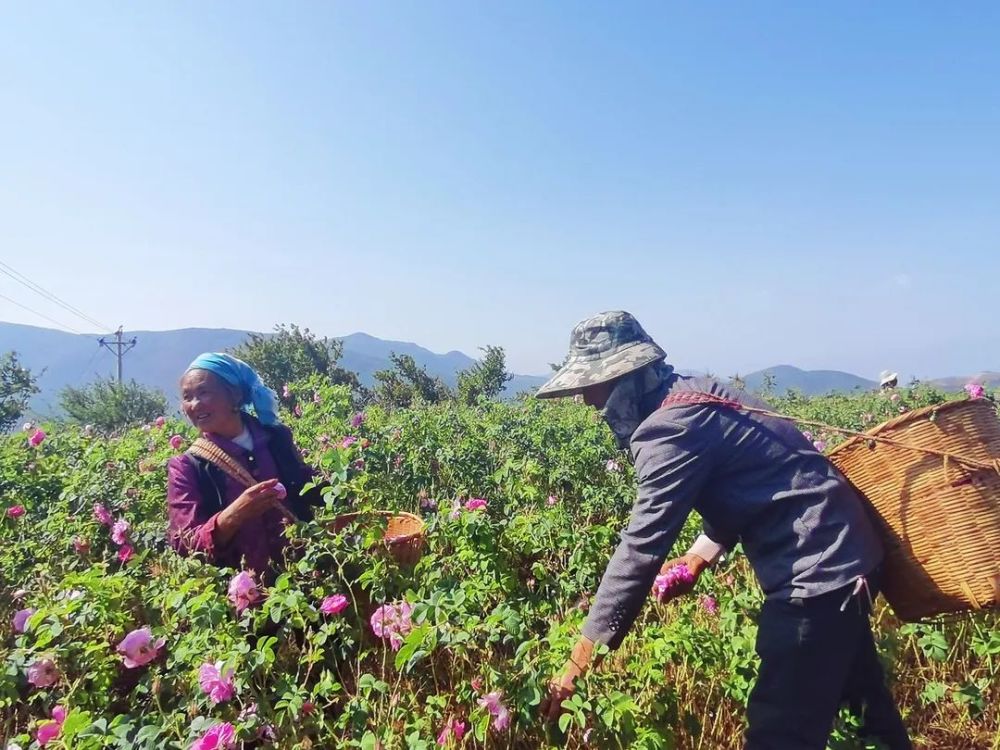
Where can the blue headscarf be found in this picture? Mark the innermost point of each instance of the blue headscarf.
(238, 373)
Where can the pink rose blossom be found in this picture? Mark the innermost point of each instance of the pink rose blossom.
(125, 553)
(80, 545)
(297, 411)
(975, 390)
(49, 730)
(674, 576)
(334, 605)
(218, 737)
(392, 622)
(452, 728)
(348, 441)
(138, 648)
(477, 684)
(808, 435)
(15, 511)
(176, 442)
(358, 464)
(159, 421)
(553, 500)
(21, 618)
(820, 445)
(476, 503)
(119, 532)
(43, 673)
(612, 466)
(36, 438)
(102, 515)
(285, 393)
(709, 604)
(280, 489)
(216, 681)
(357, 420)
(243, 590)
(493, 702)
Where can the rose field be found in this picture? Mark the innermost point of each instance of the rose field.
(108, 639)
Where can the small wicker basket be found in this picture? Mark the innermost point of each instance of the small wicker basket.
(937, 493)
(404, 532)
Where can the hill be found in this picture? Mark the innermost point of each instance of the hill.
(809, 382)
(161, 356)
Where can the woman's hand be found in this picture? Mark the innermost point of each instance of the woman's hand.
(562, 686)
(254, 502)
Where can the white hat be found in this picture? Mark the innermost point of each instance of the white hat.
(887, 377)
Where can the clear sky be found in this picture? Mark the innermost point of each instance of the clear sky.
(759, 182)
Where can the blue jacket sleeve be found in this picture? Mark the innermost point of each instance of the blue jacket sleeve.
(674, 456)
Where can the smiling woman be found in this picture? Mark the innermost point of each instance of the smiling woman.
(228, 496)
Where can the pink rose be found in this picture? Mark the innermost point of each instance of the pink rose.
(176, 441)
(476, 503)
(451, 729)
(218, 737)
(36, 438)
(43, 673)
(553, 500)
(493, 702)
(280, 489)
(612, 466)
(975, 390)
(49, 730)
(357, 420)
(125, 553)
(21, 618)
(334, 605)
(820, 445)
(15, 511)
(674, 576)
(297, 411)
(285, 393)
(216, 681)
(709, 604)
(243, 590)
(477, 684)
(119, 531)
(348, 441)
(391, 622)
(138, 648)
(159, 421)
(102, 515)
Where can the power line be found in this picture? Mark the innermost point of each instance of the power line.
(20, 278)
(41, 315)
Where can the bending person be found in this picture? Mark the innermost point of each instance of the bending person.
(754, 479)
(211, 511)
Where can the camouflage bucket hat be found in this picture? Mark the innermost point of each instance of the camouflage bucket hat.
(602, 348)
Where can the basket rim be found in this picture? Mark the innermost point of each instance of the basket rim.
(419, 531)
(912, 416)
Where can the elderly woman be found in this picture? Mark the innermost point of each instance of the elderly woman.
(228, 496)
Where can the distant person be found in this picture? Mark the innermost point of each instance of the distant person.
(888, 380)
(211, 511)
(753, 479)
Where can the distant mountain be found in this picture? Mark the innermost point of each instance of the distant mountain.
(161, 356)
(808, 382)
(988, 379)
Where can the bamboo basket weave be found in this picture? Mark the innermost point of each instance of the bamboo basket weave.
(933, 477)
(404, 532)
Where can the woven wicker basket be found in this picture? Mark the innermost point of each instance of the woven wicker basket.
(404, 532)
(940, 513)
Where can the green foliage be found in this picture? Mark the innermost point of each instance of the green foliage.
(17, 386)
(406, 384)
(486, 378)
(293, 354)
(497, 597)
(107, 405)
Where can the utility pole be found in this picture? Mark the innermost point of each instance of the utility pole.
(118, 347)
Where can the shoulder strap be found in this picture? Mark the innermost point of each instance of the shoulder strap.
(700, 397)
(209, 451)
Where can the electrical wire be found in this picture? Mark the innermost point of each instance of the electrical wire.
(41, 315)
(20, 278)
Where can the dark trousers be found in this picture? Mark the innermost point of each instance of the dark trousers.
(813, 659)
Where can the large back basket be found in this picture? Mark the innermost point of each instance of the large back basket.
(933, 477)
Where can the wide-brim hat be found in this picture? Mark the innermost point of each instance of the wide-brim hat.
(602, 348)
(887, 377)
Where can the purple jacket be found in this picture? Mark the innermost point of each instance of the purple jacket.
(193, 519)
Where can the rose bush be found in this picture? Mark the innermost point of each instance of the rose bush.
(346, 647)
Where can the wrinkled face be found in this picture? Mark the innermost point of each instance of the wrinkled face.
(210, 403)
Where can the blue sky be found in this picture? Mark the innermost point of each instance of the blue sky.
(760, 183)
